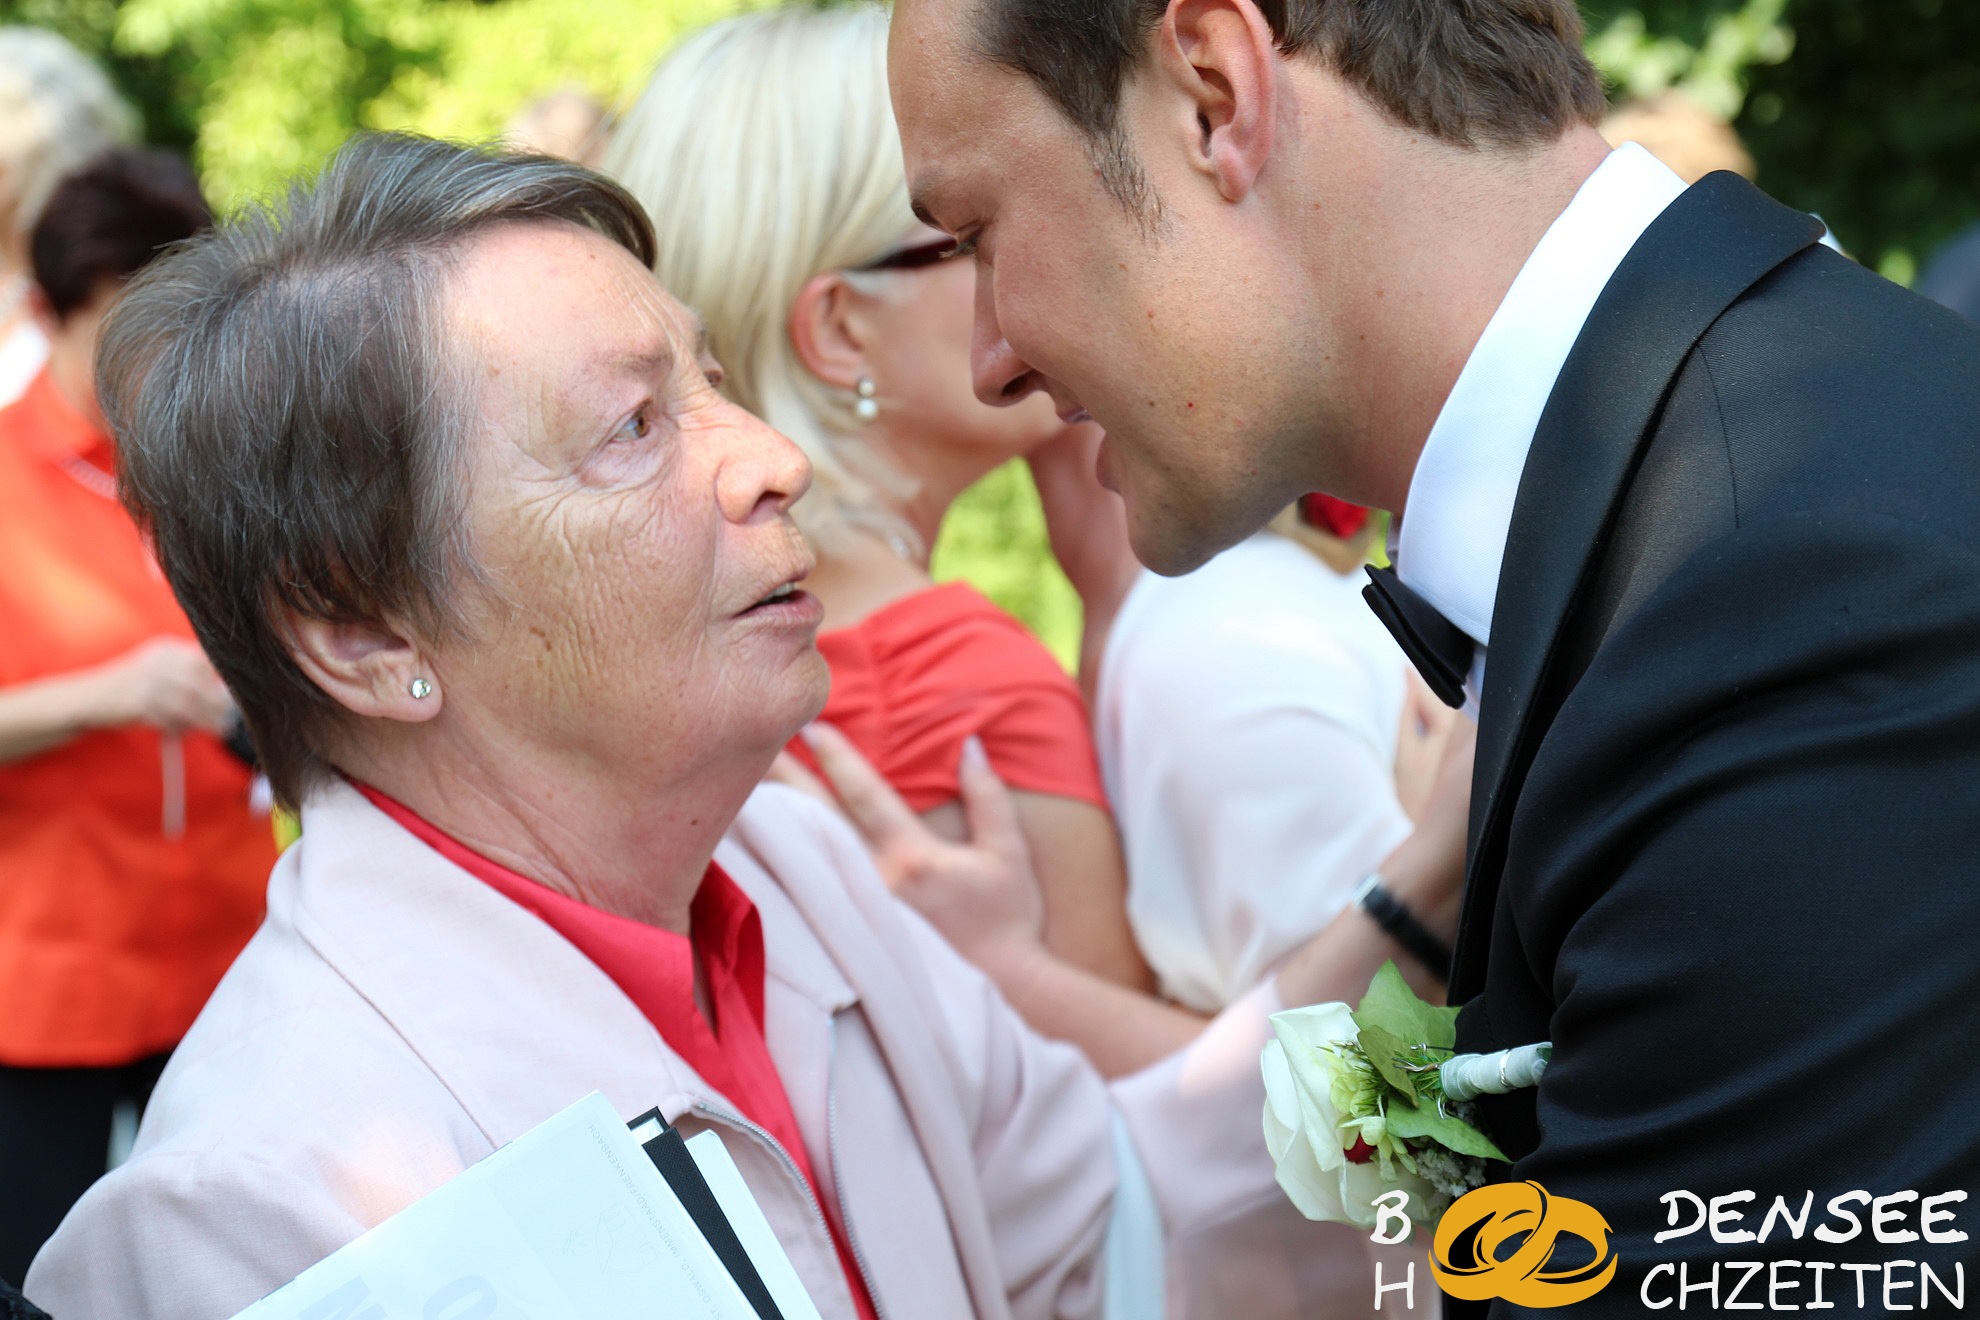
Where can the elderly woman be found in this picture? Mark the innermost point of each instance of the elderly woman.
(845, 324)
(505, 589)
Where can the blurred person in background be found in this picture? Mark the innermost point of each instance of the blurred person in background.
(1213, 924)
(1264, 741)
(1952, 277)
(569, 124)
(1689, 139)
(845, 324)
(1677, 130)
(131, 862)
(57, 111)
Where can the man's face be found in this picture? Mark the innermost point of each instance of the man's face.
(1168, 330)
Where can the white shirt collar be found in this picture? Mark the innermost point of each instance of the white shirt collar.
(1453, 537)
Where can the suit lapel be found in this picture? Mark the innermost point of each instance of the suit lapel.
(1710, 246)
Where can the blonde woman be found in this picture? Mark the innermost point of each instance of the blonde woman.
(766, 152)
(57, 112)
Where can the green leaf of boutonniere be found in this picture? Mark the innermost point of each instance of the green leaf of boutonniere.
(1391, 1006)
(1382, 1048)
(1407, 1122)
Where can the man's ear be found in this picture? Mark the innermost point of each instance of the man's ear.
(367, 668)
(827, 332)
(1221, 55)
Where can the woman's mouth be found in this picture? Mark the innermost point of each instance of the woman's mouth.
(787, 604)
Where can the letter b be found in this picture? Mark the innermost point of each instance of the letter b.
(1389, 1209)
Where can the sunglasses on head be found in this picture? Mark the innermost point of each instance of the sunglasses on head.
(915, 256)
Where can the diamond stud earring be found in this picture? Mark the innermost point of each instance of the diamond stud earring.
(421, 689)
(868, 407)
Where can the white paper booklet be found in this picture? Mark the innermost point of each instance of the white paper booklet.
(570, 1221)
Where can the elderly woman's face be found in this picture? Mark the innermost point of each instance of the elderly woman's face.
(634, 524)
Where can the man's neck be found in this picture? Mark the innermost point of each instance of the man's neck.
(1445, 231)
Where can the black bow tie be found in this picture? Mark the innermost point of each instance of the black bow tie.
(1438, 648)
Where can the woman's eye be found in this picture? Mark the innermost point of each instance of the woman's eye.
(964, 247)
(715, 376)
(636, 427)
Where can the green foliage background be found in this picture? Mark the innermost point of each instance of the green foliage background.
(1867, 111)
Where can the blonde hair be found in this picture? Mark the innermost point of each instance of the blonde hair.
(57, 113)
(765, 150)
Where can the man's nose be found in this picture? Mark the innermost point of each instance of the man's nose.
(999, 375)
(767, 474)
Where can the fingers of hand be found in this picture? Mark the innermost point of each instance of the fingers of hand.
(988, 805)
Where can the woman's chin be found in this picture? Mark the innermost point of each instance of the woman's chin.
(813, 704)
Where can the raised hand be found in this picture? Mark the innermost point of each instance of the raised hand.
(166, 684)
(981, 893)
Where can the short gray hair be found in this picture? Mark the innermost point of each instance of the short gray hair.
(290, 424)
(57, 113)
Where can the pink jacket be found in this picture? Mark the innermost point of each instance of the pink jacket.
(395, 1020)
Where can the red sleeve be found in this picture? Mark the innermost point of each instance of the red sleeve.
(915, 680)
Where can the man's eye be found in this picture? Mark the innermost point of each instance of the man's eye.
(715, 376)
(964, 247)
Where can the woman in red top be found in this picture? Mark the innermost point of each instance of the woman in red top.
(846, 325)
(131, 864)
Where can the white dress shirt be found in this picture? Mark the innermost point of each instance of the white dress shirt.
(1246, 720)
(1452, 538)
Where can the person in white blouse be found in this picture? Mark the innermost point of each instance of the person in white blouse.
(1248, 717)
(57, 112)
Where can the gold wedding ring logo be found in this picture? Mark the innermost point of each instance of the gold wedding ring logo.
(1465, 1252)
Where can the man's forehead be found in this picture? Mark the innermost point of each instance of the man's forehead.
(932, 64)
(950, 102)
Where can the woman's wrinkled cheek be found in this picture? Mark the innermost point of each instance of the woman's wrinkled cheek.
(625, 601)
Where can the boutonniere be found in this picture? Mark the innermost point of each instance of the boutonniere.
(1363, 1102)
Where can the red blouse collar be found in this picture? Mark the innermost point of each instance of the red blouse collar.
(654, 967)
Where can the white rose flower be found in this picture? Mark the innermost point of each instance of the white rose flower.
(1305, 1083)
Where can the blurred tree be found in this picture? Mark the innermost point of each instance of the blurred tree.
(1875, 123)
(262, 90)
(279, 83)
(1866, 111)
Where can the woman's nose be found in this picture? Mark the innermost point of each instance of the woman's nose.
(767, 475)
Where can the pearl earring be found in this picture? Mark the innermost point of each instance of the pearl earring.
(868, 407)
(421, 689)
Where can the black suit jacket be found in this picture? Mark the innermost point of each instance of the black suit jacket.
(1725, 829)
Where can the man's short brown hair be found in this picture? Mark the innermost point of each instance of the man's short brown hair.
(1475, 73)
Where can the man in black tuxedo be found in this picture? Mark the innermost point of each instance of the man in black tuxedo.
(1690, 512)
